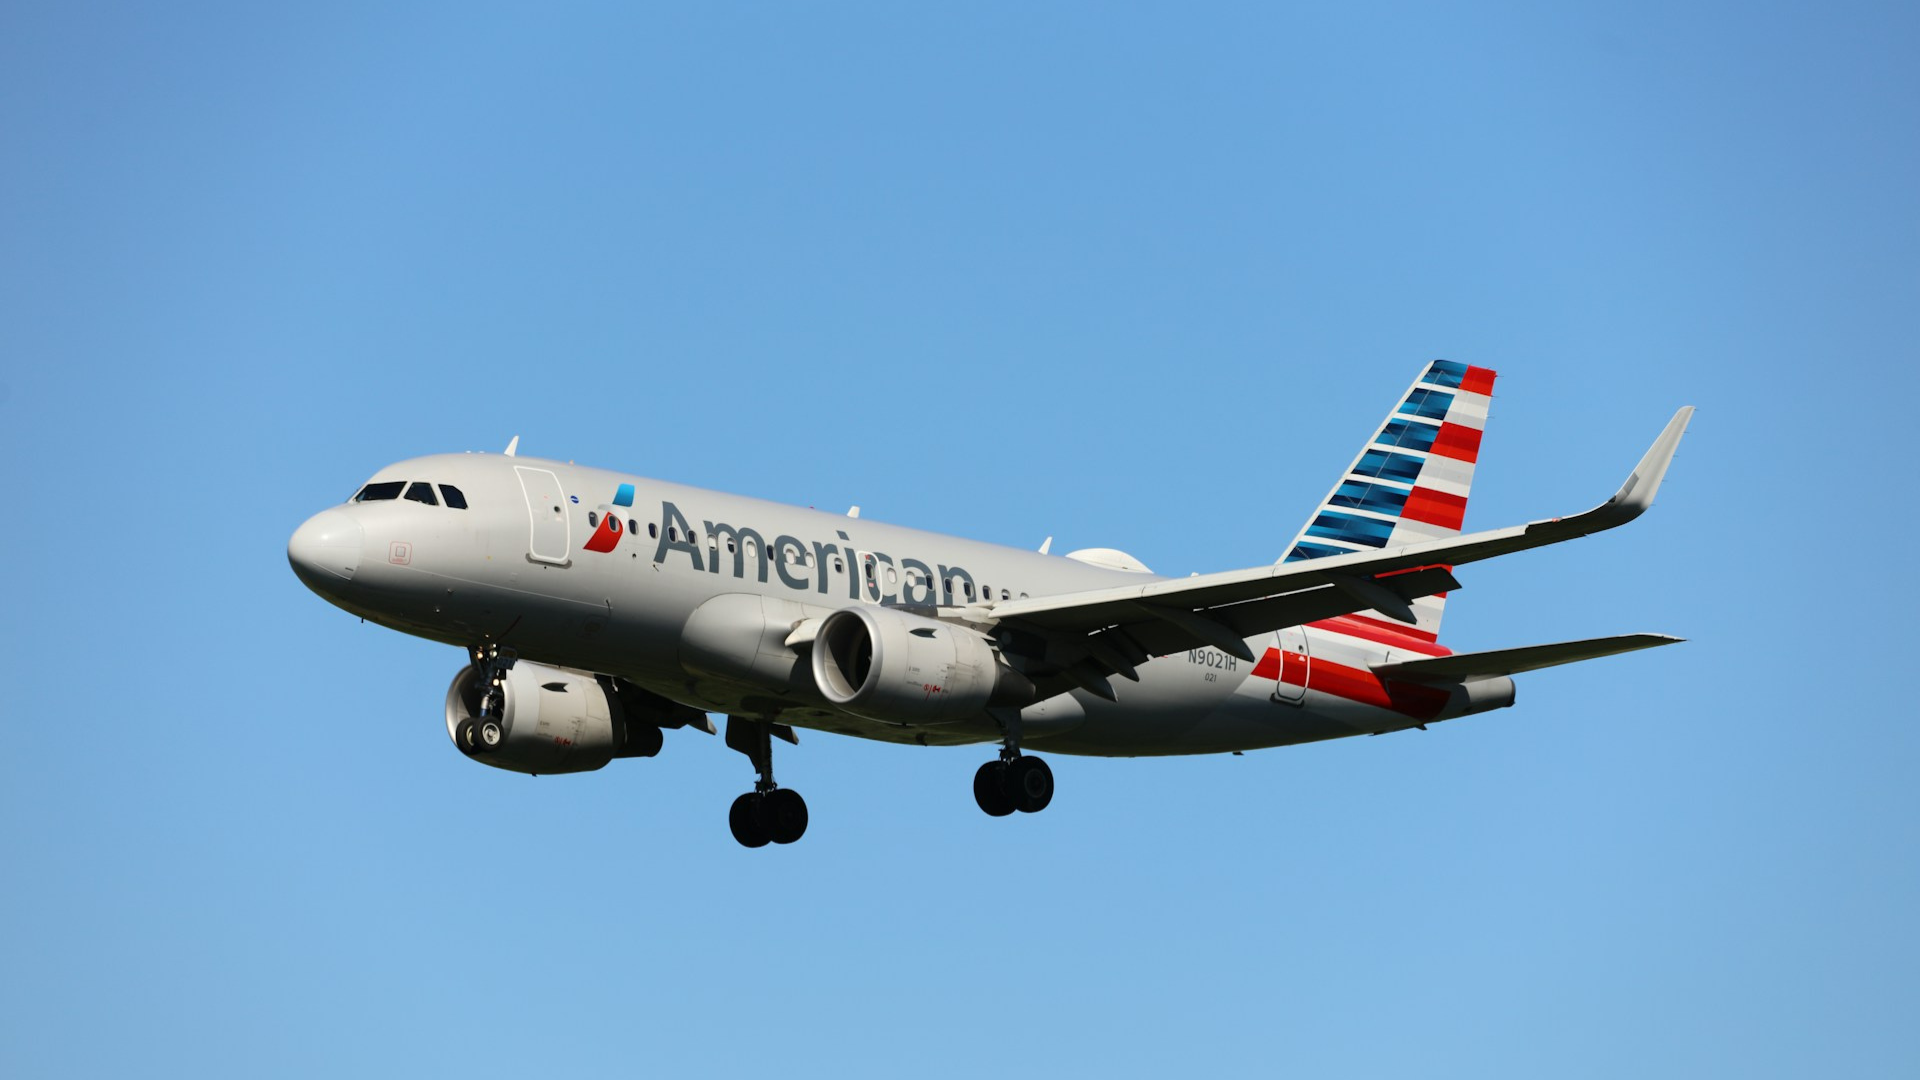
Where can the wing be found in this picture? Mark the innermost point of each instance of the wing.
(1080, 638)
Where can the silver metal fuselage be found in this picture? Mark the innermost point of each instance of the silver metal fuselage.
(517, 567)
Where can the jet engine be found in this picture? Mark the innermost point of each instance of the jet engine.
(887, 665)
(553, 720)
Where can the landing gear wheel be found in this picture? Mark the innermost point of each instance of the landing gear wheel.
(785, 814)
(989, 789)
(466, 737)
(489, 735)
(748, 822)
(1029, 784)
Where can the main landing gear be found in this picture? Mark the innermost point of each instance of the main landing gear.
(768, 813)
(484, 733)
(1014, 782)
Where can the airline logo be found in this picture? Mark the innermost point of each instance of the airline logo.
(1410, 483)
(606, 536)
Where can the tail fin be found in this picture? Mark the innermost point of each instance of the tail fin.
(1409, 484)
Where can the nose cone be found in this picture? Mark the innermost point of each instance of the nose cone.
(326, 550)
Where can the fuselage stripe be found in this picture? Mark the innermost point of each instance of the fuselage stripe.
(1381, 632)
(1353, 684)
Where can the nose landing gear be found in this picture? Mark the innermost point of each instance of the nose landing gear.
(485, 732)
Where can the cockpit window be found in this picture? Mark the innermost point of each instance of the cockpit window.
(422, 492)
(380, 492)
(453, 497)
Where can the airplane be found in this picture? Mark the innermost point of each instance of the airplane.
(598, 609)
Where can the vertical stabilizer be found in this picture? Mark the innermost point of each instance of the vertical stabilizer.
(1410, 482)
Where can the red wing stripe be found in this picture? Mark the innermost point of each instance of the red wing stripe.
(1448, 567)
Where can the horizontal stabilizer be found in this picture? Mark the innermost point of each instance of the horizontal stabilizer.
(1482, 665)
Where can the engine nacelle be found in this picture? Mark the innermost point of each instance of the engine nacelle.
(557, 720)
(887, 665)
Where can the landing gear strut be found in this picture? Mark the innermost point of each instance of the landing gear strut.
(768, 813)
(485, 732)
(1014, 781)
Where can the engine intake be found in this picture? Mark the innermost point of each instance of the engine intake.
(887, 665)
(556, 720)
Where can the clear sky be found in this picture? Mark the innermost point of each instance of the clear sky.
(1140, 277)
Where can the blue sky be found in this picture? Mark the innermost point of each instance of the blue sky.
(1138, 277)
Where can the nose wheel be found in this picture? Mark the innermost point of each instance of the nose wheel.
(484, 733)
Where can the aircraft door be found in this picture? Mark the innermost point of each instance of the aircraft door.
(1296, 659)
(550, 536)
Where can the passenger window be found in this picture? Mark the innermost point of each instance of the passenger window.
(422, 492)
(653, 530)
(452, 496)
(893, 577)
(1004, 596)
(380, 492)
(633, 526)
(838, 566)
(673, 535)
(593, 519)
(968, 586)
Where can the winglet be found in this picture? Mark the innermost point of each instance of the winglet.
(1643, 483)
(514, 445)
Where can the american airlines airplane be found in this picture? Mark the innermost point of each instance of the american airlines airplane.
(598, 608)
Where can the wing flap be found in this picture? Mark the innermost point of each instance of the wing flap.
(1482, 665)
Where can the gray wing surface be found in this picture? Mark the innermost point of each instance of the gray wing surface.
(1080, 638)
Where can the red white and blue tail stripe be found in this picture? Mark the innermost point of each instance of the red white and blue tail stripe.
(1410, 482)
